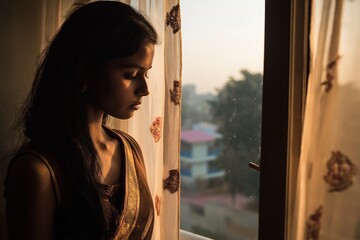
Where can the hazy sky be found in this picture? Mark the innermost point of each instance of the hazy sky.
(219, 38)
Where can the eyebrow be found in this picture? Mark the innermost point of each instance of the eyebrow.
(134, 66)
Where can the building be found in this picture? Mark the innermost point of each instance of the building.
(199, 152)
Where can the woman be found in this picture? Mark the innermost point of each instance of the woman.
(74, 178)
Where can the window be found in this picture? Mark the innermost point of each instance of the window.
(221, 117)
(285, 74)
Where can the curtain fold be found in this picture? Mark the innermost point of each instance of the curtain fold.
(328, 190)
(51, 11)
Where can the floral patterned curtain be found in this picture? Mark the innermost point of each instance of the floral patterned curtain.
(156, 126)
(328, 188)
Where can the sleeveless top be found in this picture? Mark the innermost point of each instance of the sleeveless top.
(128, 206)
(113, 199)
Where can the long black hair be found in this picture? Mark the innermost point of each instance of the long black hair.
(54, 115)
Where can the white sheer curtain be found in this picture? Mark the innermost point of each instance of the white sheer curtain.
(328, 189)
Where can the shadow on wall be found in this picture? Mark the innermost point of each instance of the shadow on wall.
(20, 33)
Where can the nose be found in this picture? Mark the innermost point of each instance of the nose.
(142, 89)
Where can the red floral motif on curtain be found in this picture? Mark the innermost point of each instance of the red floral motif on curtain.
(173, 18)
(341, 172)
(175, 93)
(313, 225)
(172, 182)
(155, 128)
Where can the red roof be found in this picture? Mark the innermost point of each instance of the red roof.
(196, 136)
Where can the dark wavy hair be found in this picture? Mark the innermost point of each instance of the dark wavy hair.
(54, 114)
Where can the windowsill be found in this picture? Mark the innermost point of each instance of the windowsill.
(185, 235)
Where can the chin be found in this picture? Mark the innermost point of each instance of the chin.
(123, 116)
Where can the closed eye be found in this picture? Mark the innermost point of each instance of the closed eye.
(130, 76)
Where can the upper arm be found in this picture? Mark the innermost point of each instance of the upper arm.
(30, 200)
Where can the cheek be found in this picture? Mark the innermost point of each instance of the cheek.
(116, 83)
(110, 81)
(116, 92)
(100, 89)
(111, 91)
(111, 84)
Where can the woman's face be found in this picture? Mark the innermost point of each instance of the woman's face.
(118, 91)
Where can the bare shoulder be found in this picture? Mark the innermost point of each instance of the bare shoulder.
(29, 170)
(30, 199)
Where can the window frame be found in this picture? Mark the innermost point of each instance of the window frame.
(286, 60)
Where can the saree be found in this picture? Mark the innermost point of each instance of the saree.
(136, 219)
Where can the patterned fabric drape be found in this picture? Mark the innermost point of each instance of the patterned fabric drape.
(156, 126)
(328, 189)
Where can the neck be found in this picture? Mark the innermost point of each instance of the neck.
(94, 120)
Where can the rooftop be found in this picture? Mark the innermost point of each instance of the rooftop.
(196, 136)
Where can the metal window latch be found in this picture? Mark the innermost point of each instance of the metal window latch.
(254, 166)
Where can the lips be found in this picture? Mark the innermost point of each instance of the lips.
(136, 105)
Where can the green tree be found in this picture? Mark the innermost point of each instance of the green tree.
(237, 112)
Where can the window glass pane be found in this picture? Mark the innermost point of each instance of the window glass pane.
(223, 44)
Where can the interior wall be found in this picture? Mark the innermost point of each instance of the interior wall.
(20, 32)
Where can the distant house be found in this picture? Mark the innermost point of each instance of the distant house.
(199, 151)
(208, 128)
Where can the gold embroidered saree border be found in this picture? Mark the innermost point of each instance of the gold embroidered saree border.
(138, 157)
(132, 196)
